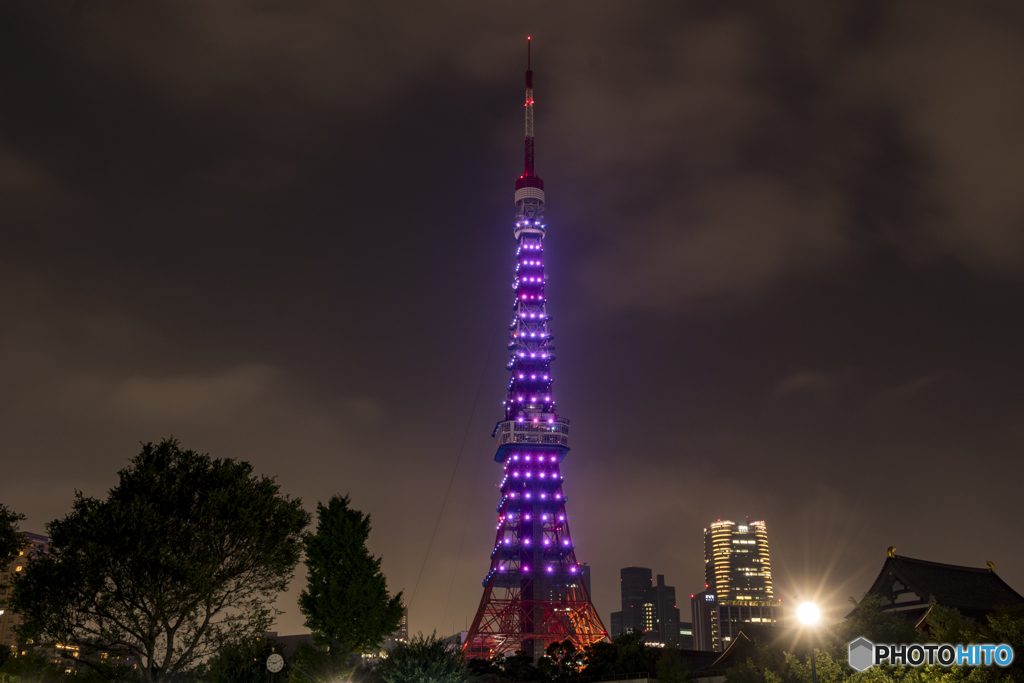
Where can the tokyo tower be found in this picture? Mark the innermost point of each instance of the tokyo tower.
(534, 594)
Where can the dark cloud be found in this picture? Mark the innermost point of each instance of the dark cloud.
(785, 259)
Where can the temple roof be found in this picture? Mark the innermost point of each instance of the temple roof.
(969, 589)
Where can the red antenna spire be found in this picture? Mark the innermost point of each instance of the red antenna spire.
(529, 113)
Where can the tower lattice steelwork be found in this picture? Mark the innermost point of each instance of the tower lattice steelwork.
(534, 593)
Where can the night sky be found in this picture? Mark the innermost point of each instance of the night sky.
(785, 257)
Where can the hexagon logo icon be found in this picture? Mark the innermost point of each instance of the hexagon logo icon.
(861, 654)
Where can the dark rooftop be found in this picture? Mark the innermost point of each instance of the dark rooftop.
(970, 589)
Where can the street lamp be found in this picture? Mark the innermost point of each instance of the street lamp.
(808, 613)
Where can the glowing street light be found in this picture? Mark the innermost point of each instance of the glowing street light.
(808, 613)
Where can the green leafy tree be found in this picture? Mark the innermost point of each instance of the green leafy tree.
(869, 621)
(561, 660)
(346, 599)
(33, 667)
(11, 541)
(184, 554)
(240, 661)
(486, 670)
(633, 654)
(423, 659)
(519, 666)
(671, 668)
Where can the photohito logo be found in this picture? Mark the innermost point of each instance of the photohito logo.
(864, 654)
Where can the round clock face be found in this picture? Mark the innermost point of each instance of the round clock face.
(275, 663)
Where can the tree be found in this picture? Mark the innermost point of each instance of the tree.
(671, 668)
(519, 667)
(240, 661)
(346, 599)
(424, 659)
(185, 553)
(11, 540)
(561, 660)
(33, 667)
(869, 621)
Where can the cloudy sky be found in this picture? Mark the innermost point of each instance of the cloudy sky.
(785, 259)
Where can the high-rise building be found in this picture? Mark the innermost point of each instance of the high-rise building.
(634, 583)
(665, 629)
(686, 635)
(10, 620)
(704, 613)
(534, 593)
(738, 583)
(647, 607)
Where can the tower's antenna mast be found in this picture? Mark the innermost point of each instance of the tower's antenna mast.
(529, 113)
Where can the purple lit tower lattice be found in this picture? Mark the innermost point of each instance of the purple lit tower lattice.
(534, 594)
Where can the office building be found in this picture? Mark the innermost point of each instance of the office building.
(738, 583)
(686, 636)
(647, 607)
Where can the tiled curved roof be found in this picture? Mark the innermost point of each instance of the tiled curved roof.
(951, 585)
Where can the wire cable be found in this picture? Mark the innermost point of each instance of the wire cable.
(462, 450)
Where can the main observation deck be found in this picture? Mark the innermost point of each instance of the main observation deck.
(544, 432)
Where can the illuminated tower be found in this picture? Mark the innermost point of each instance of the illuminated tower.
(534, 594)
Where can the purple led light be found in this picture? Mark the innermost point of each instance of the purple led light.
(572, 569)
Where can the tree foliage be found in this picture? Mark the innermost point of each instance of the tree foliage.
(11, 540)
(424, 659)
(626, 654)
(184, 554)
(561, 660)
(240, 661)
(671, 668)
(346, 599)
(768, 663)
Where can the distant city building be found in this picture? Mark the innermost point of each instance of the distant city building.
(633, 585)
(664, 626)
(11, 620)
(647, 608)
(737, 582)
(704, 612)
(686, 636)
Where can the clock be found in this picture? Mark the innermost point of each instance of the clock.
(275, 663)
